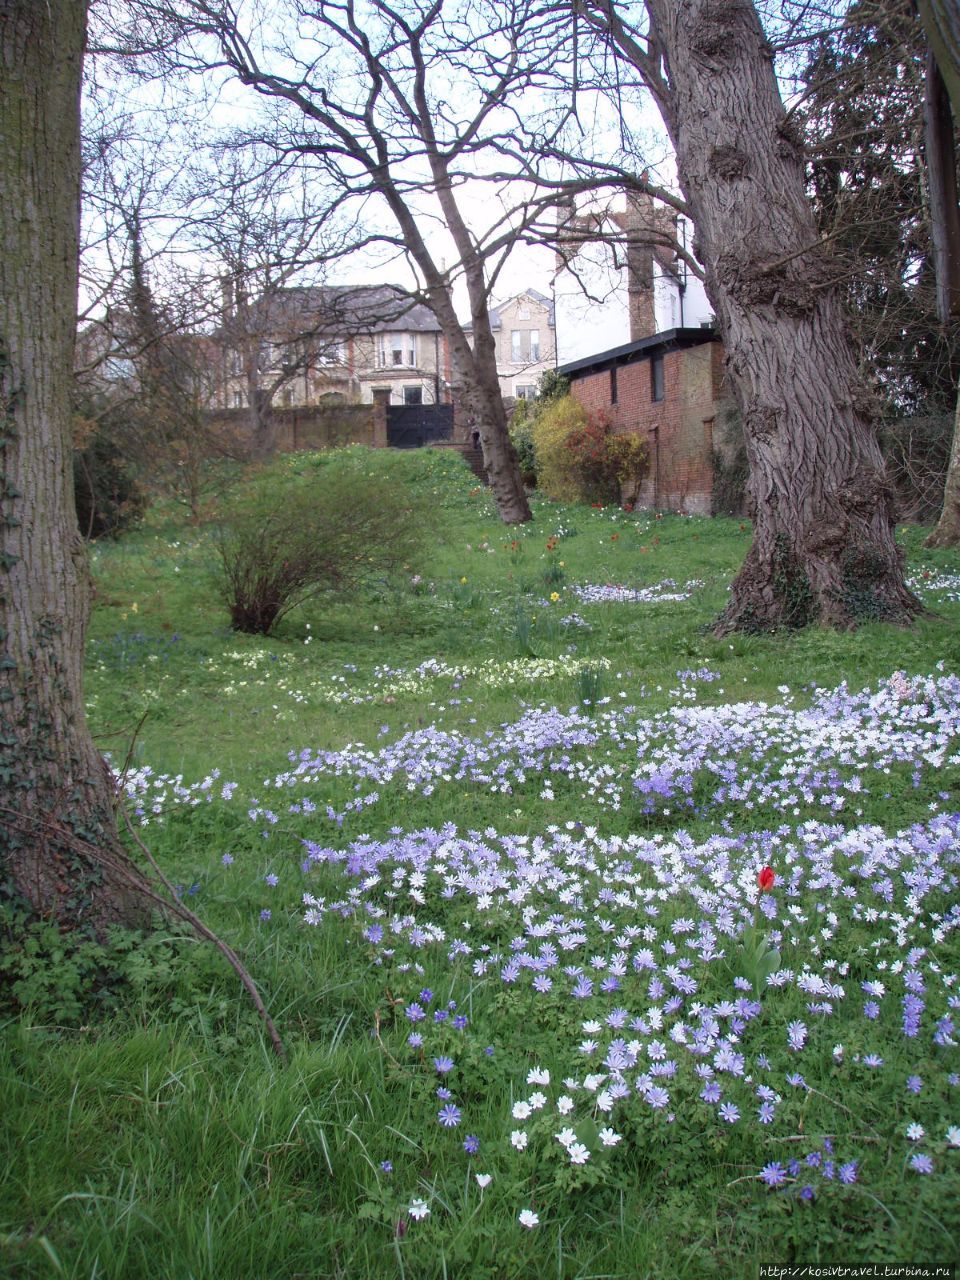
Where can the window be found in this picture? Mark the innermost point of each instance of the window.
(613, 385)
(394, 350)
(656, 377)
(238, 400)
(516, 344)
(287, 398)
(413, 395)
(525, 391)
(534, 344)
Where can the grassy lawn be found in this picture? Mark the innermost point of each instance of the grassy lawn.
(489, 839)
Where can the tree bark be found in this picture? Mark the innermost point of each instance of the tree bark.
(942, 190)
(263, 435)
(56, 795)
(824, 548)
(946, 532)
(482, 398)
(941, 22)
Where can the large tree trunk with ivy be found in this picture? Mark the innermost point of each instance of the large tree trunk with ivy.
(59, 849)
(823, 548)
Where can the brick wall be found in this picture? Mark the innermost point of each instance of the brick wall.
(678, 429)
(307, 427)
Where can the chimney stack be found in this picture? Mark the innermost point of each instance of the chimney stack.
(226, 299)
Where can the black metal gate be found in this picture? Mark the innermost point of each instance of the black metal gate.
(409, 426)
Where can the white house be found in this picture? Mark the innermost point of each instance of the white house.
(618, 279)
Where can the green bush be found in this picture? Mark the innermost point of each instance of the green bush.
(521, 433)
(552, 428)
(67, 977)
(553, 385)
(292, 535)
(628, 461)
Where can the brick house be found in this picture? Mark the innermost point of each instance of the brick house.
(668, 389)
(335, 344)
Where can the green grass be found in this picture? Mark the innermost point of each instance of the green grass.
(159, 1137)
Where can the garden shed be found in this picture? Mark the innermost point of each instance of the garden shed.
(668, 388)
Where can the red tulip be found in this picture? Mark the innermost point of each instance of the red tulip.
(766, 879)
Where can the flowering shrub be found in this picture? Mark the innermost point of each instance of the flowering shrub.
(580, 456)
(552, 428)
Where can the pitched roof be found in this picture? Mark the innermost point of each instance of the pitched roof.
(350, 309)
(495, 309)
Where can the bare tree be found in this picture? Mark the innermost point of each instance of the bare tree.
(59, 848)
(270, 237)
(824, 547)
(405, 108)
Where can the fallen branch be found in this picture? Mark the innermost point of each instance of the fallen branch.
(225, 950)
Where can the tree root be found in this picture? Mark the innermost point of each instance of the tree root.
(124, 870)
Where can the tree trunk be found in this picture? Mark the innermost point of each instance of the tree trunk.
(263, 434)
(942, 25)
(941, 22)
(483, 401)
(941, 161)
(946, 532)
(56, 796)
(824, 548)
(476, 364)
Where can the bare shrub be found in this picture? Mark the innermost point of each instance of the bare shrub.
(291, 536)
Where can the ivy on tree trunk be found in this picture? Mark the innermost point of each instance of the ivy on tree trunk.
(59, 849)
